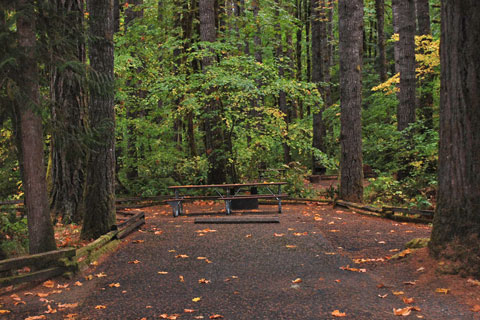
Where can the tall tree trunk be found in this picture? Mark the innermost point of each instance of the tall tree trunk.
(456, 225)
(396, 28)
(40, 228)
(350, 17)
(307, 13)
(406, 64)
(282, 96)
(257, 41)
(100, 191)
(318, 34)
(214, 129)
(67, 92)
(425, 101)
(382, 60)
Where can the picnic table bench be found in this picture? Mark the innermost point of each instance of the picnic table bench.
(227, 193)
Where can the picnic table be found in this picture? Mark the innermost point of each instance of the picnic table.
(227, 193)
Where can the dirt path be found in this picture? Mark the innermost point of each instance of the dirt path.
(301, 268)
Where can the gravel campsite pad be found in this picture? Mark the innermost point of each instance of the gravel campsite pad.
(319, 262)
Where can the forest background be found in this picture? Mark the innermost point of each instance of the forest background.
(194, 106)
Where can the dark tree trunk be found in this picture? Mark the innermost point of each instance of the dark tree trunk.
(67, 91)
(257, 41)
(132, 113)
(307, 13)
(425, 101)
(382, 60)
(214, 129)
(282, 96)
(40, 228)
(100, 191)
(406, 64)
(456, 225)
(396, 28)
(116, 15)
(350, 17)
(318, 34)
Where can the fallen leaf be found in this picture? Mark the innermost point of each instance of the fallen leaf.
(114, 285)
(421, 269)
(216, 316)
(4, 311)
(337, 313)
(248, 236)
(298, 280)
(338, 280)
(148, 307)
(398, 293)
(172, 251)
(198, 317)
(203, 281)
(330, 253)
(36, 317)
(89, 277)
(78, 284)
(50, 310)
(334, 230)
(43, 295)
(28, 294)
(15, 297)
(101, 275)
(162, 272)
(408, 300)
(181, 278)
(318, 219)
(290, 246)
(189, 310)
(158, 232)
(411, 283)
(201, 258)
(100, 307)
(442, 290)
(353, 269)
(206, 230)
(298, 234)
(196, 299)
(473, 282)
(475, 308)
(49, 284)
(183, 256)
(405, 311)
(71, 316)
(64, 286)
(67, 305)
(380, 285)
(279, 234)
(170, 317)
(16, 303)
(138, 241)
(383, 296)
(134, 262)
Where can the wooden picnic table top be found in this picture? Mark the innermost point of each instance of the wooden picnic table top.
(231, 185)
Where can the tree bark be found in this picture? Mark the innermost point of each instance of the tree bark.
(425, 101)
(40, 228)
(406, 64)
(382, 60)
(456, 225)
(350, 13)
(100, 191)
(67, 93)
(213, 126)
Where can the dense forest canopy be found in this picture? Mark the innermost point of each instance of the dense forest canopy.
(156, 93)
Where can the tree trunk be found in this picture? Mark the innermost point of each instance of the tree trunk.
(100, 191)
(406, 64)
(456, 225)
(282, 96)
(67, 92)
(40, 228)
(214, 129)
(396, 28)
(350, 17)
(257, 41)
(306, 5)
(425, 101)
(382, 60)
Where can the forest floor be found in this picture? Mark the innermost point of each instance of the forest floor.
(317, 263)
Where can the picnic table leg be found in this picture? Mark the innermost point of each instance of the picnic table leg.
(279, 199)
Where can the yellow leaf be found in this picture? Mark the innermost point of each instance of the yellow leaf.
(101, 275)
(337, 313)
(78, 284)
(67, 305)
(183, 256)
(100, 307)
(4, 311)
(36, 317)
(112, 285)
(298, 280)
(442, 290)
(408, 300)
(203, 281)
(134, 262)
(181, 278)
(398, 293)
(196, 299)
(162, 272)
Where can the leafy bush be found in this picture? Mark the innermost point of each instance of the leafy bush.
(13, 234)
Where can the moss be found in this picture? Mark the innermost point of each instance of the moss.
(417, 243)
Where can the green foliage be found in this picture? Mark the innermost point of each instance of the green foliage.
(13, 234)
(297, 185)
